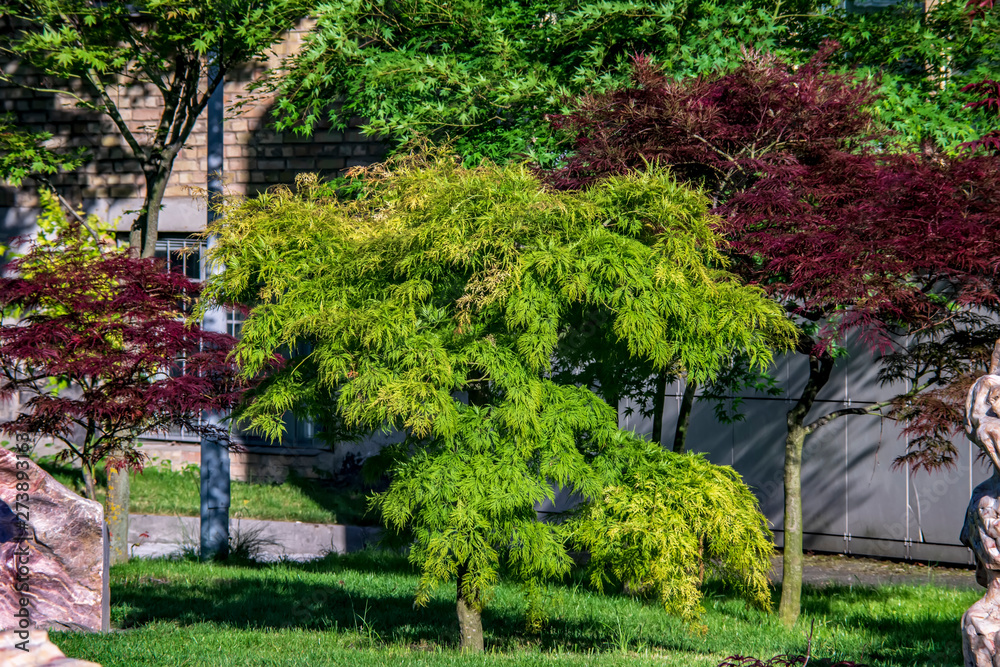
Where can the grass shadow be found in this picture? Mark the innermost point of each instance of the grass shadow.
(904, 624)
(369, 593)
(280, 597)
(369, 596)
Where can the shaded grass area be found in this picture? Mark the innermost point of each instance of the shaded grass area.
(358, 610)
(161, 490)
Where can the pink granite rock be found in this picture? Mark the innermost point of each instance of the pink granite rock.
(40, 652)
(52, 566)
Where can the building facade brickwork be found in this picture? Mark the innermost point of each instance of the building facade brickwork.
(110, 184)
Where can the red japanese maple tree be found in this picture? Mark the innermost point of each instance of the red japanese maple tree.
(718, 131)
(845, 236)
(97, 347)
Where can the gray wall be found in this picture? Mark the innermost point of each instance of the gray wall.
(853, 501)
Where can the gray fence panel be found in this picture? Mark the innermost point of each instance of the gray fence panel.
(853, 500)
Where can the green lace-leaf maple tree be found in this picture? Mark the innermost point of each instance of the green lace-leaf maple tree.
(435, 304)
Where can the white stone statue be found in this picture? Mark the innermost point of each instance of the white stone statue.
(981, 532)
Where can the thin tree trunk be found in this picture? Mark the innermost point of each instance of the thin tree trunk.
(701, 559)
(791, 559)
(89, 488)
(614, 400)
(470, 618)
(144, 232)
(684, 415)
(116, 507)
(468, 603)
(135, 237)
(142, 243)
(791, 578)
(659, 400)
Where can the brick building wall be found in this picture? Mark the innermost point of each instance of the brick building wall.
(111, 184)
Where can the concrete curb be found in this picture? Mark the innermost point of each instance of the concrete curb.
(158, 536)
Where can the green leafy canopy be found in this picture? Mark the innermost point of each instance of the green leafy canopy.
(24, 154)
(436, 304)
(924, 60)
(484, 73)
(95, 40)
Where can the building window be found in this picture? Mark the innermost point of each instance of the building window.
(234, 322)
(185, 256)
(306, 430)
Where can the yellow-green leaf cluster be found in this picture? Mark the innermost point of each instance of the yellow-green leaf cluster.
(443, 273)
(667, 520)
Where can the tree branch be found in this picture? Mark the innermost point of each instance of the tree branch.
(872, 409)
(69, 208)
(170, 99)
(112, 111)
(156, 78)
(55, 91)
(196, 107)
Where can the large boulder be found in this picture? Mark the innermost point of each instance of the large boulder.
(53, 552)
(38, 652)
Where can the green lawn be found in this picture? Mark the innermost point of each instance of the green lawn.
(160, 490)
(358, 610)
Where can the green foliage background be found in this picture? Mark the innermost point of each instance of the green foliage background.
(23, 154)
(923, 60)
(484, 73)
(100, 41)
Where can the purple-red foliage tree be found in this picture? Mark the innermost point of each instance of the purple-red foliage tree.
(717, 131)
(99, 347)
(845, 236)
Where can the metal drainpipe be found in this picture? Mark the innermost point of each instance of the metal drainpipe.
(215, 487)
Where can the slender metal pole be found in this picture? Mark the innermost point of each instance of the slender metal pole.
(214, 497)
(214, 455)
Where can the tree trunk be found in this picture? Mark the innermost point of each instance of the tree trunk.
(116, 507)
(701, 559)
(144, 232)
(469, 606)
(614, 400)
(90, 489)
(791, 559)
(470, 619)
(684, 415)
(142, 243)
(658, 404)
(791, 578)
